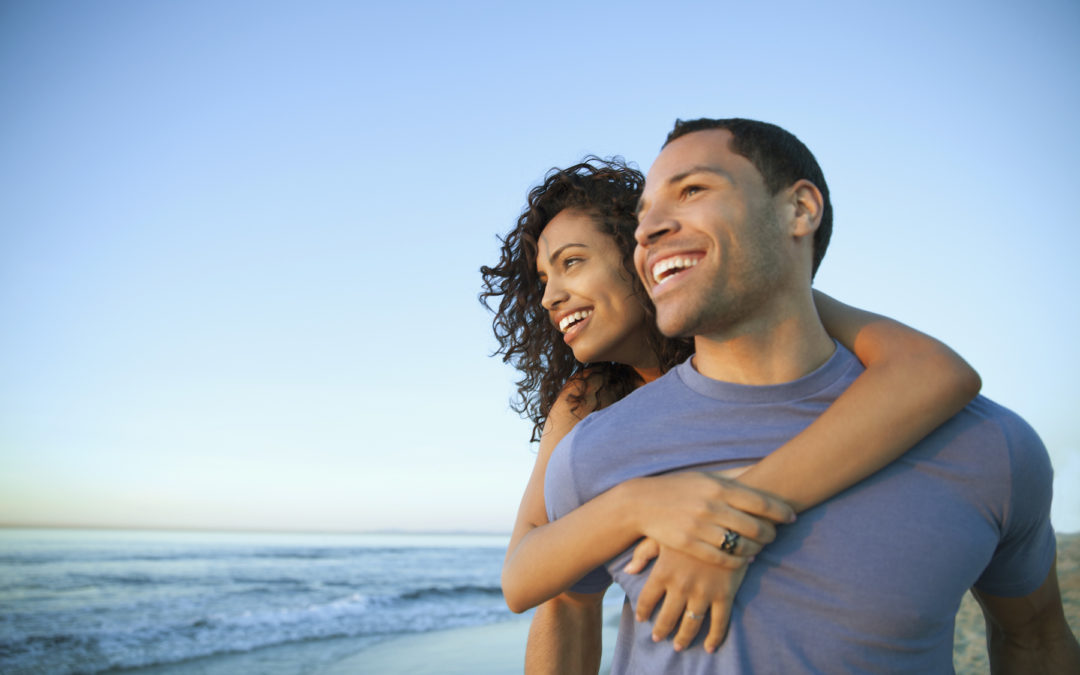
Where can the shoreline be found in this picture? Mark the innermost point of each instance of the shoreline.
(487, 649)
(492, 649)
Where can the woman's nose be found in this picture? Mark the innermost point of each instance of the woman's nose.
(554, 295)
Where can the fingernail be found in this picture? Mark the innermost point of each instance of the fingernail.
(656, 638)
(710, 648)
(752, 559)
(792, 518)
(678, 647)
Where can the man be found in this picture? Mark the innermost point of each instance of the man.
(734, 220)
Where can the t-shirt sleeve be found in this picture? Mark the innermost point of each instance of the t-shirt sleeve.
(594, 582)
(561, 496)
(560, 485)
(1027, 547)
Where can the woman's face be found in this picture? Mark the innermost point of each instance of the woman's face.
(589, 294)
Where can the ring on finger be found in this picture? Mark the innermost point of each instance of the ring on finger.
(731, 540)
(696, 617)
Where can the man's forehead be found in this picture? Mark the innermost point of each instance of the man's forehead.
(707, 147)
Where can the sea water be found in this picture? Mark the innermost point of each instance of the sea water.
(88, 601)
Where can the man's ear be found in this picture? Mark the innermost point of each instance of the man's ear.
(809, 204)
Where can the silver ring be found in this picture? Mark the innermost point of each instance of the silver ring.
(695, 617)
(731, 540)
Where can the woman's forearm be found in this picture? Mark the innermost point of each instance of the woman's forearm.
(912, 384)
(544, 559)
(549, 558)
(689, 511)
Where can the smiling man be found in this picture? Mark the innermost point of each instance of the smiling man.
(733, 223)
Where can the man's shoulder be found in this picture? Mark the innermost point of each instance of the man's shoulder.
(1008, 428)
(640, 405)
(999, 454)
(1017, 472)
(604, 449)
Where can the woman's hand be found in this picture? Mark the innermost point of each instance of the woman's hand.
(693, 512)
(690, 590)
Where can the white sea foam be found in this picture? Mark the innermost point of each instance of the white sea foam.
(159, 601)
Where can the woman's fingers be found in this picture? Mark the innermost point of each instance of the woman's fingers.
(671, 610)
(731, 543)
(650, 595)
(720, 547)
(749, 526)
(710, 553)
(690, 627)
(749, 500)
(685, 588)
(646, 550)
(719, 616)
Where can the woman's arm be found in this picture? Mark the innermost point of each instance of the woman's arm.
(912, 385)
(690, 511)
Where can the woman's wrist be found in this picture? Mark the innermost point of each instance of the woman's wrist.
(628, 500)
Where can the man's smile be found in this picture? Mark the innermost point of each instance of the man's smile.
(670, 267)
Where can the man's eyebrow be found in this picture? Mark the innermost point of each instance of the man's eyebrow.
(679, 177)
(700, 168)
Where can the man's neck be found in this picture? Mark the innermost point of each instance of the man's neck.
(766, 350)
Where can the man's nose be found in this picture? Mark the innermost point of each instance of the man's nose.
(654, 224)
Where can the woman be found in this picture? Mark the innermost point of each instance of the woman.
(575, 320)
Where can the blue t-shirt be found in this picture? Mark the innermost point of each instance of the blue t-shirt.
(870, 580)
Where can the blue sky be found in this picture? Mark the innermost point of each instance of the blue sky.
(240, 241)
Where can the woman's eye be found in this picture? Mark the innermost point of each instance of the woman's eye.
(570, 262)
(691, 190)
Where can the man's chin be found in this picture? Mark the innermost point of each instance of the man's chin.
(674, 326)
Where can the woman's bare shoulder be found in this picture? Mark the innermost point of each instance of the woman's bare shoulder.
(582, 394)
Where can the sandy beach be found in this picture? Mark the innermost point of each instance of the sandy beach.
(483, 650)
(500, 648)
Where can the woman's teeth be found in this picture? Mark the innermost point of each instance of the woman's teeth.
(660, 271)
(571, 319)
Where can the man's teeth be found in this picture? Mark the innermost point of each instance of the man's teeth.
(660, 269)
(571, 319)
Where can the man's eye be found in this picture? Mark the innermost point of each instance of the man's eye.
(691, 190)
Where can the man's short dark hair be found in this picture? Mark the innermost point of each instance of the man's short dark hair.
(780, 158)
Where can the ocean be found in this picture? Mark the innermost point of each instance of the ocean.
(89, 601)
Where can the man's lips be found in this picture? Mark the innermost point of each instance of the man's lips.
(668, 267)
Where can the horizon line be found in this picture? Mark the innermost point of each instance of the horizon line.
(250, 530)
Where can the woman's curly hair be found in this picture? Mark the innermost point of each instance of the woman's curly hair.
(608, 191)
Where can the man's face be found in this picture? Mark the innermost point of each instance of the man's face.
(709, 238)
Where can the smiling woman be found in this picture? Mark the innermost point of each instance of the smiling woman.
(575, 320)
(590, 204)
(589, 294)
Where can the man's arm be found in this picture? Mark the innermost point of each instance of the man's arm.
(1029, 634)
(565, 636)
